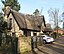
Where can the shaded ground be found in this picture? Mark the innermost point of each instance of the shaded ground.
(56, 48)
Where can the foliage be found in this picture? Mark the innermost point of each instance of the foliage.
(8, 44)
(36, 12)
(3, 24)
(12, 3)
(57, 27)
(55, 35)
(1, 18)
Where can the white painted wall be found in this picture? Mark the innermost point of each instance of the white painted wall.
(38, 33)
(31, 33)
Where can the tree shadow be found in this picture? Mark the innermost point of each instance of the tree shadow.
(42, 51)
(34, 52)
(61, 51)
(38, 51)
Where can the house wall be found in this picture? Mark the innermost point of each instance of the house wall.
(15, 27)
(24, 44)
(5, 18)
(37, 33)
(31, 33)
(34, 33)
(59, 31)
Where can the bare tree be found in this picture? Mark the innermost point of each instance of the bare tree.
(53, 13)
(63, 19)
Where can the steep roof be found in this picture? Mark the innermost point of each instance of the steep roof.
(30, 22)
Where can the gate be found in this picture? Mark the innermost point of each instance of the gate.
(33, 42)
(36, 41)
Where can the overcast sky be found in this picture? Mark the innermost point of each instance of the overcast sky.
(29, 6)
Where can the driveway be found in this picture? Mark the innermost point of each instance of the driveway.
(56, 48)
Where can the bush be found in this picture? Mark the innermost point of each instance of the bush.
(55, 35)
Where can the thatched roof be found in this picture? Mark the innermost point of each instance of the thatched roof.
(29, 22)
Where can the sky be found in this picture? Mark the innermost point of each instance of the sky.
(29, 6)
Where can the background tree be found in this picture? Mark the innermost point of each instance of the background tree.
(36, 13)
(57, 27)
(63, 19)
(12, 3)
(53, 13)
(63, 22)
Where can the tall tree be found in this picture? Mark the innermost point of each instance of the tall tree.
(63, 19)
(36, 13)
(12, 3)
(53, 13)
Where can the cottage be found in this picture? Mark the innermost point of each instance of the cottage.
(27, 25)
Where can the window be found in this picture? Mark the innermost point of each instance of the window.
(10, 23)
(35, 34)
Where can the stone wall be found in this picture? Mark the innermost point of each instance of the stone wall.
(24, 44)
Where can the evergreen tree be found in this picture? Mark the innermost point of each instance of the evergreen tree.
(12, 3)
(36, 12)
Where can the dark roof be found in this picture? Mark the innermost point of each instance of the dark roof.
(30, 22)
(48, 29)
